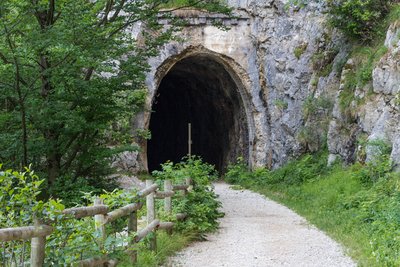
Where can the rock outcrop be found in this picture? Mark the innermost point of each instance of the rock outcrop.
(287, 66)
(377, 115)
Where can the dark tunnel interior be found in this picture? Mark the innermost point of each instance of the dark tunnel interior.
(197, 90)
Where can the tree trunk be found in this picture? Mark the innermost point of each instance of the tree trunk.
(23, 116)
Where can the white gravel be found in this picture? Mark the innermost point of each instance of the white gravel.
(259, 232)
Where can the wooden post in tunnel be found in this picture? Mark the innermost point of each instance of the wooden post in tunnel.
(190, 139)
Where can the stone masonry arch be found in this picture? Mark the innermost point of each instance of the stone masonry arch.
(233, 53)
(232, 133)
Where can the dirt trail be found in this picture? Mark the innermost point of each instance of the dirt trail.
(259, 232)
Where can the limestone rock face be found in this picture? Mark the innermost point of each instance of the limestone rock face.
(287, 40)
(126, 162)
(386, 76)
(379, 116)
(279, 58)
(343, 130)
(386, 85)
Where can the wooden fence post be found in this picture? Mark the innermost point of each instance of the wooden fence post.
(38, 246)
(168, 201)
(100, 223)
(132, 228)
(151, 215)
(188, 182)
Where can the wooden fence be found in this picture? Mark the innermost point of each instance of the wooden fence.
(38, 232)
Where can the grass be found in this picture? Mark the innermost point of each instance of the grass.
(359, 206)
(236, 187)
(318, 201)
(299, 50)
(281, 104)
(176, 3)
(188, 3)
(167, 245)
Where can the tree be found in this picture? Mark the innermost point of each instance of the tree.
(68, 70)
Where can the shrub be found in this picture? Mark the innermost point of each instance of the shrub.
(296, 171)
(316, 113)
(238, 172)
(71, 240)
(358, 19)
(379, 164)
(322, 61)
(200, 204)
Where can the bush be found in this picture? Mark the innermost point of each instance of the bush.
(379, 164)
(377, 210)
(18, 193)
(71, 240)
(71, 190)
(238, 173)
(358, 19)
(201, 204)
(294, 172)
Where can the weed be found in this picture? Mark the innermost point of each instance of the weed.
(236, 187)
(167, 245)
(299, 50)
(281, 104)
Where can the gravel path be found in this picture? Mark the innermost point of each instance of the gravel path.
(259, 232)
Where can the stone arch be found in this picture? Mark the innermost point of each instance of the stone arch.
(231, 92)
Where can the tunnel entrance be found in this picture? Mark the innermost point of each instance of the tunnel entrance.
(197, 90)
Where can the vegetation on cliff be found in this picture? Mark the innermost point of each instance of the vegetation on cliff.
(359, 20)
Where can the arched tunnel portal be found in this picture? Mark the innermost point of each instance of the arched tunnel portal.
(200, 90)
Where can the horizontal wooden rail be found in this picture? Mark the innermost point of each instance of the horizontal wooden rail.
(148, 190)
(102, 216)
(166, 225)
(81, 212)
(97, 261)
(181, 216)
(145, 231)
(164, 194)
(180, 187)
(121, 212)
(24, 233)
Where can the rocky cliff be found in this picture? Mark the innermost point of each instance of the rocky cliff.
(298, 59)
(374, 107)
(295, 78)
(304, 71)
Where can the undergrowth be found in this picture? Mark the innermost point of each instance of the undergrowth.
(201, 203)
(359, 205)
(167, 245)
(77, 239)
